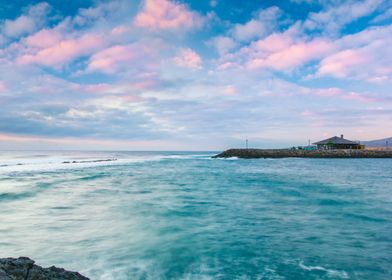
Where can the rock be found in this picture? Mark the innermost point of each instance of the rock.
(284, 153)
(24, 268)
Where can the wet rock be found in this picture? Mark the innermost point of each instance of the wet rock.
(24, 268)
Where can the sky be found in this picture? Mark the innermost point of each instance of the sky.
(193, 74)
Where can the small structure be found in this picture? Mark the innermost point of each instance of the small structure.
(335, 142)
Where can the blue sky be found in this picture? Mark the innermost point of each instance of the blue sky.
(193, 75)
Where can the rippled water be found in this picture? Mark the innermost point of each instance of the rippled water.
(186, 216)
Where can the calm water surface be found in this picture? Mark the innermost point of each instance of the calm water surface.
(185, 216)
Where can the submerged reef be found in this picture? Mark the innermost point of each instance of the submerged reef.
(24, 268)
(285, 153)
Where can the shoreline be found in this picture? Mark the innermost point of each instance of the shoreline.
(25, 268)
(287, 153)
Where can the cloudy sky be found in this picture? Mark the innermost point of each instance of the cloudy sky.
(193, 75)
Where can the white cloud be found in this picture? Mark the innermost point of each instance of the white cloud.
(189, 59)
(334, 17)
(386, 15)
(265, 22)
(166, 14)
(223, 44)
(213, 3)
(370, 62)
(101, 11)
(32, 20)
(360, 56)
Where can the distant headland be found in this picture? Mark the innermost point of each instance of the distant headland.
(334, 147)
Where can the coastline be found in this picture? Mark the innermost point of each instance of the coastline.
(25, 268)
(286, 153)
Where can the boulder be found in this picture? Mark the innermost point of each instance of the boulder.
(24, 268)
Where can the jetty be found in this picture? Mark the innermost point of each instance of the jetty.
(292, 153)
(334, 147)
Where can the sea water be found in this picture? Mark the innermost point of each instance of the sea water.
(152, 215)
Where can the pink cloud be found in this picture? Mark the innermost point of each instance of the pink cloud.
(308, 114)
(340, 93)
(360, 97)
(43, 39)
(130, 98)
(279, 51)
(3, 87)
(63, 52)
(339, 64)
(379, 79)
(119, 89)
(371, 62)
(188, 58)
(144, 85)
(360, 56)
(166, 14)
(97, 88)
(112, 59)
(274, 43)
(119, 30)
(293, 56)
(227, 65)
(328, 92)
(230, 90)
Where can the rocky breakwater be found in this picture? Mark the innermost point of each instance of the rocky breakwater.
(285, 153)
(24, 268)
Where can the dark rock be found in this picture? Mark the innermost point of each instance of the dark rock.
(24, 268)
(284, 153)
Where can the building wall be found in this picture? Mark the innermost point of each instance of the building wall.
(340, 146)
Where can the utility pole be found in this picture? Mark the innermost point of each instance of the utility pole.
(386, 142)
(246, 143)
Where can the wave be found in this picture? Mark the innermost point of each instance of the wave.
(14, 196)
(88, 161)
(229, 158)
(329, 272)
(72, 164)
(62, 160)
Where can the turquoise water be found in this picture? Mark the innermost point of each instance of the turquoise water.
(186, 216)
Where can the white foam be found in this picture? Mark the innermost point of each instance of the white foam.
(329, 272)
(51, 161)
(68, 161)
(228, 158)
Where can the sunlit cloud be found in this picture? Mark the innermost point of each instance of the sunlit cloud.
(30, 21)
(188, 58)
(63, 51)
(170, 71)
(166, 14)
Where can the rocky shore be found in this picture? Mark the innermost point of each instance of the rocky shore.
(24, 268)
(285, 153)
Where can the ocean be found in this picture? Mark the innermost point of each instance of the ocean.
(183, 215)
